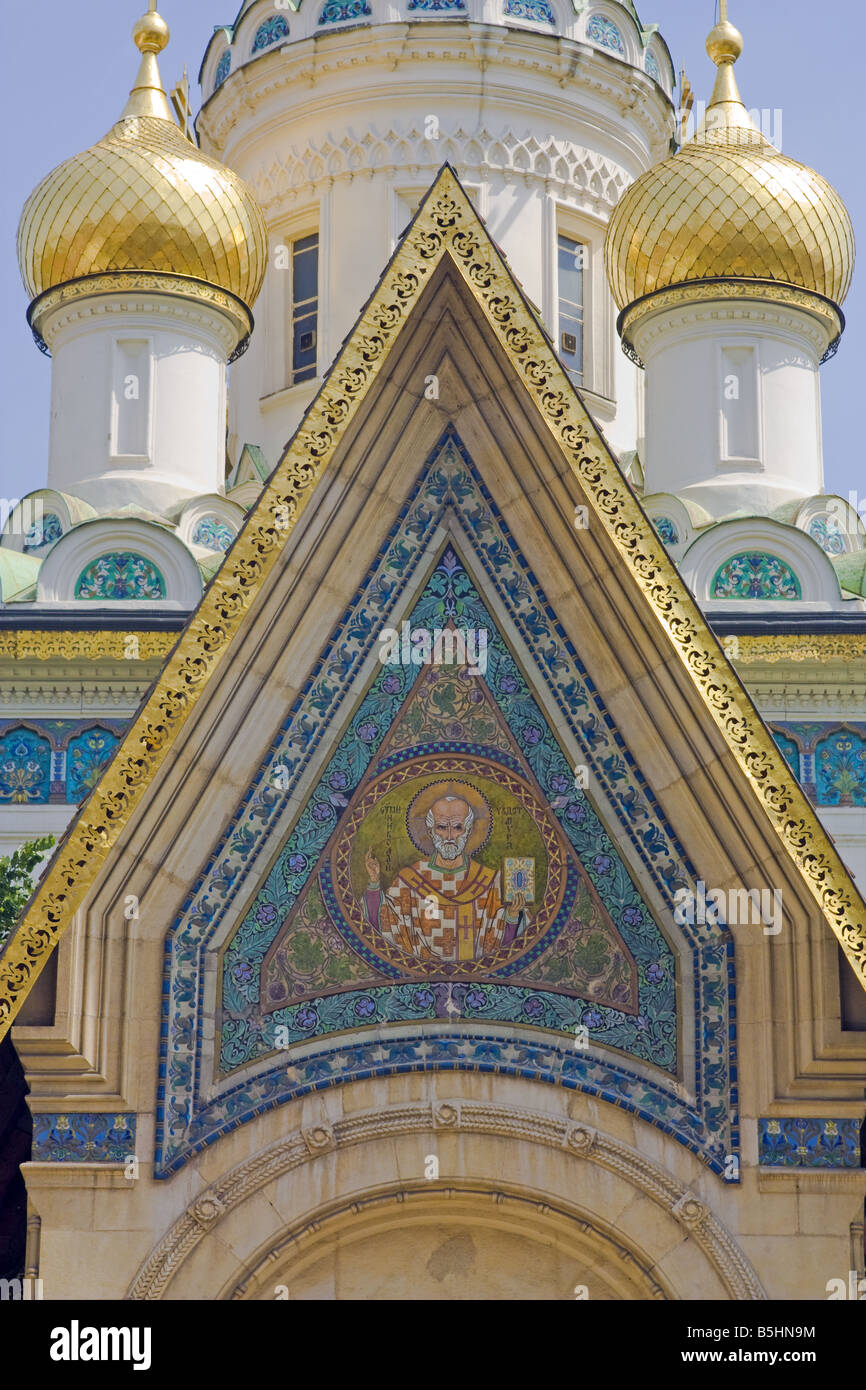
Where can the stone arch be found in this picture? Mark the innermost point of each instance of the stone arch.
(460, 1242)
(785, 545)
(579, 1173)
(87, 542)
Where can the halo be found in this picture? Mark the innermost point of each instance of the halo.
(434, 791)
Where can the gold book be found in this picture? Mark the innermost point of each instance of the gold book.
(520, 878)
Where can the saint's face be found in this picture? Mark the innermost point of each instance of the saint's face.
(449, 831)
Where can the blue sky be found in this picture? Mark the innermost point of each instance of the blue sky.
(67, 73)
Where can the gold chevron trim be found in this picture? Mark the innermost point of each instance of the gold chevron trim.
(446, 224)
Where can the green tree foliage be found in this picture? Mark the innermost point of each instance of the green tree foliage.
(16, 881)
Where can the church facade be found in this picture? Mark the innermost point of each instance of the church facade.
(461, 805)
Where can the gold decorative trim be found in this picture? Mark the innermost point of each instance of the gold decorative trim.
(141, 282)
(30, 644)
(446, 224)
(821, 647)
(830, 317)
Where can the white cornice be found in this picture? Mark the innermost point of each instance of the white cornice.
(157, 310)
(797, 325)
(480, 61)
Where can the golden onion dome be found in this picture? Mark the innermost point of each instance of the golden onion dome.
(144, 198)
(729, 205)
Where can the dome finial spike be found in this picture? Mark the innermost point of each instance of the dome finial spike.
(148, 98)
(725, 109)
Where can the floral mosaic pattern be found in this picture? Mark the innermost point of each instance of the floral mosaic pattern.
(537, 10)
(85, 759)
(55, 760)
(603, 31)
(828, 758)
(651, 66)
(435, 5)
(799, 1143)
(44, 532)
(840, 768)
(667, 530)
(754, 574)
(272, 31)
(337, 10)
(25, 767)
(213, 533)
(224, 67)
(121, 575)
(828, 533)
(83, 1138)
(449, 491)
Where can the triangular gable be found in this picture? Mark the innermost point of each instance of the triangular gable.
(568, 848)
(446, 228)
(280, 917)
(251, 467)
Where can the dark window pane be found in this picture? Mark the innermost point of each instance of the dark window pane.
(306, 273)
(571, 259)
(305, 307)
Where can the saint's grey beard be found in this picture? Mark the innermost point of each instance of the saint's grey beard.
(449, 849)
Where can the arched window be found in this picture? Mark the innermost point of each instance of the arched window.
(667, 530)
(25, 767)
(271, 32)
(754, 574)
(44, 532)
(604, 32)
(224, 67)
(121, 575)
(840, 769)
(213, 533)
(537, 10)
(86, 756)
(334, 11)
(828, 533)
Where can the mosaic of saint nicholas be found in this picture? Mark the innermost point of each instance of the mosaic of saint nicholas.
(447, 906)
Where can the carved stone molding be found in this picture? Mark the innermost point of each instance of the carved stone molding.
(574, 172)
(581, 1139)
(445, 1115)
(206, 1210)
(690, 1211)
(319, 1139)
(469, 1117)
